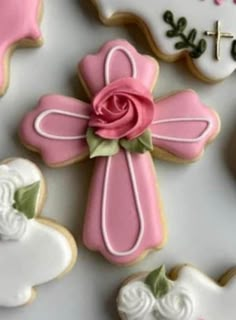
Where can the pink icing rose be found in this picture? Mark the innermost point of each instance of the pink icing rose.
(122, 109)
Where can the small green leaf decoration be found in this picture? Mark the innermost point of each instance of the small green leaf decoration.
(139, 145)
(180, 45)
(192, 35)
(168, 17)
(181, 24)
(158, 282)
(195, 54)
(171, 33)
(146, 140)
(201, 47)
(26, 199)
(100, 147)
(233, 50)
(187, 41)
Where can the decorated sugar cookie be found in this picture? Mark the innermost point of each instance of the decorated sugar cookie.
(187, 294)
(33, 250)
(120, 128)
(19, 27)
(203, 31)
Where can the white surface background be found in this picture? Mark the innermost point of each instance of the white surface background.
(199, 199)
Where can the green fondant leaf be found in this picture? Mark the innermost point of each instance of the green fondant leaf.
(26, 199)
(139, 145)
(158, 282)
(146, 140)
(132, 145)
(100, 147)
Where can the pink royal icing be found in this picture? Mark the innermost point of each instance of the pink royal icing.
(123, 220)
(19, 21)
(182, 125)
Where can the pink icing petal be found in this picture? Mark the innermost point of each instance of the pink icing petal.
(183, 125)
(123, 220)
(57, 128)
(136, 100)
(119, 65)
(19, 20)
(219, 2)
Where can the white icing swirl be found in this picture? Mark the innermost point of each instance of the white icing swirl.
(177, 304)
(13, 224)
(136, 300)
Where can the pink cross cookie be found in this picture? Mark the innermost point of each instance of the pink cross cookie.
(119, 127)
(19, 26)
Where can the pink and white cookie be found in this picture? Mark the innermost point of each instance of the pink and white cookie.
(186, 294)
(33, 250)
(120, 127)
(19, 27)
(202, 31)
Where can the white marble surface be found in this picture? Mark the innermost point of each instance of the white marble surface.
(199, 199)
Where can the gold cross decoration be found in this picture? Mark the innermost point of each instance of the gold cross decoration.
(218, 35)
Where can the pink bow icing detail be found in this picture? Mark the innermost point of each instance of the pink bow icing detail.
(124, 217)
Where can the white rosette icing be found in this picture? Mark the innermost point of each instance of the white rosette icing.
(177, 304)
(136, 300)
(13, 224)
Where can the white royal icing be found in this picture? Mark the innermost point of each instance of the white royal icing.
(175, 305)
(108, 62)
(201, 15)
(42, 254)
(13, 224)
(45, 114)
(136, 301)
(193, 296)
(204, 134)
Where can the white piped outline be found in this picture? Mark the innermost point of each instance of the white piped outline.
(43, 115)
